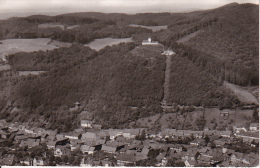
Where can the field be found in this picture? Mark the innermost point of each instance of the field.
(237, 117)
(4, 67)
(242, 94)
(72, 27)
(98, 44)
(170, 120)
(11, 46)
(153, 28)
(187, 120)
(47, 25)
(26, 73)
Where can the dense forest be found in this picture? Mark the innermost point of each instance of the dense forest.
(109, 82)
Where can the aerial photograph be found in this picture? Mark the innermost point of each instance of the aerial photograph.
(129, 83)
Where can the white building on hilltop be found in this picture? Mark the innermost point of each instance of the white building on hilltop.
(149, 42)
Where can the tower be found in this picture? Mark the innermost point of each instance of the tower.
(149, 40)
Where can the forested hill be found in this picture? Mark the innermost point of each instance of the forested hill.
(229, 33)
(234, 37)
(118, 84)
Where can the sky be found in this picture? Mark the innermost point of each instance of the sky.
(109, 6)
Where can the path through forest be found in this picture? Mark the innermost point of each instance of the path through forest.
(167, 78)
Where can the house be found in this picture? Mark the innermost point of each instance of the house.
(225, 133)
(237, 157)
(109, 149)
(19, 138)
(86, 123)
(197, 142)
(225, 163)
(190, 163)
(61, 150)
(197, 134)
(161, 156)
(3, 142)
(145, 151)
(29, 130)
(77, 105)
(120, 139)
(149, 42)
(86, 162)
(59, 136)
(38, 162)
(63, 141)
(204, 160)
(51, 144)
(126, 159)
(87, 149)
(106, 163)
(7, 160)
(127, 135)
(97, 126)
(239, 129)
(33, 143)
(73, 135)
(27, 161)
(191, 154)
(151, 134)
(38, 131)
(219, 143)
(224, 114)
(103, 135)
(89, 136)
(254, 126)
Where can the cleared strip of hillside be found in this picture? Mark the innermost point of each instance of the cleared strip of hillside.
(188, 37)
(167, 77)
(153, 28)
(243, 95)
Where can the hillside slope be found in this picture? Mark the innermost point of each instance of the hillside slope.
(235, 35)
(119, 84)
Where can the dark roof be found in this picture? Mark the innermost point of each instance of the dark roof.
(127, 157)
(7, 160)
(108, 148)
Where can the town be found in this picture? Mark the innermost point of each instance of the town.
(90, 145)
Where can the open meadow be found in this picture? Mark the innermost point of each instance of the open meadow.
(98, 44)
(153, 28)
(12, 46)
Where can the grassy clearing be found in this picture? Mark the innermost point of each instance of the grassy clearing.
(153, 28)
(26, 73)
(12, 46)
(72, 27)
(147, 122)
(4, 67)
(242, 94)
(237, 117)
(98, 44)
(48, 25)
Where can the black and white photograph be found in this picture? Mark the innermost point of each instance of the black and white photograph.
(129, 83)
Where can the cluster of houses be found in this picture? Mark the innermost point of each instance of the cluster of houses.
(127, 149)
